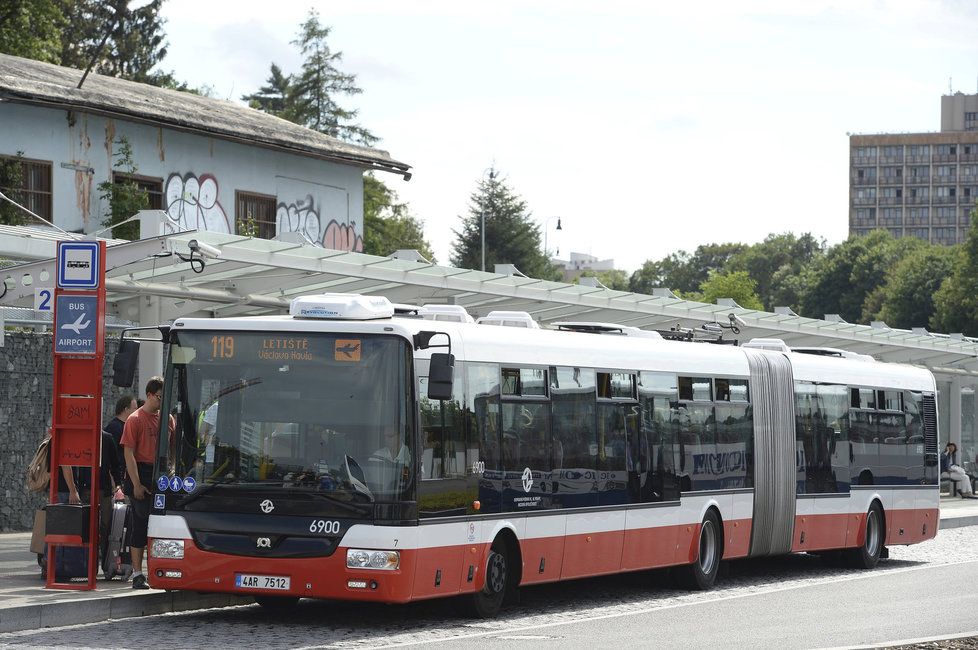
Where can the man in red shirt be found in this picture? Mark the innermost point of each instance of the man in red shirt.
(140, 442)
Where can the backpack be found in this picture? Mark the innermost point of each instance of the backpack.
(39, 469)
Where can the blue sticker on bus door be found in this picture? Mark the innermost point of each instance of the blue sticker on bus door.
(176, 484)
(160, 501)
(189, 484)
(162, 483)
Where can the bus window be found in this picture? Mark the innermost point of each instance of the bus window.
(482, 410)
(657, 392)
(699, 389)
(572, 392)
(833, 400)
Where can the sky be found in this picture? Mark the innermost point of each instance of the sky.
(646, 127)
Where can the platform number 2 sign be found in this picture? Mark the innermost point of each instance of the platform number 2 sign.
(42, 299)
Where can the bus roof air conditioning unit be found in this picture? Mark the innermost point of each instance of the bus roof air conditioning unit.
(446, 313)
(509, 319)
(775, 345)
(341, 306)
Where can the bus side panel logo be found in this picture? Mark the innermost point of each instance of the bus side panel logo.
(527, 479)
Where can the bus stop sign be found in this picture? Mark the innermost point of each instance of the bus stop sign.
(75, 327)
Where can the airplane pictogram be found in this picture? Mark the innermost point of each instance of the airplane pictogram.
(348, 349)
(78, 325)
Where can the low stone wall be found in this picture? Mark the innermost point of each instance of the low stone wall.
(26, 379)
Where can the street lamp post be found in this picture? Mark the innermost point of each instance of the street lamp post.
(546, 231)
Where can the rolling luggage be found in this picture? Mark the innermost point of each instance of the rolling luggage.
(116, 558)
(70, 562)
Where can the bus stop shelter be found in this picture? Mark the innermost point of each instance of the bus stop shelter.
(159, 278)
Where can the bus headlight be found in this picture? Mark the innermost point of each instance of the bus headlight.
(357, 558)
(168, 549)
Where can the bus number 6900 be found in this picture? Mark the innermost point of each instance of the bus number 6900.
(324, 526)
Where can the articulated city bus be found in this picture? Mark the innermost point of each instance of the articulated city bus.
(346, 452)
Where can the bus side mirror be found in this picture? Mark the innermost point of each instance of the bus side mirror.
(441, 376)
(124, 364)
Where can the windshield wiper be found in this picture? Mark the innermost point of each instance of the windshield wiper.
(204, 489)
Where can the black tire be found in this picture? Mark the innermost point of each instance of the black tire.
(867, 556)
(277, 603)
(487, 602)
(702, 573)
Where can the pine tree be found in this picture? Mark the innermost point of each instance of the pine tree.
(511, 236)
(317, 87)
(275, 97)
(136, 42)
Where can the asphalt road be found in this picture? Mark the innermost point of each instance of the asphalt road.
(923, 591)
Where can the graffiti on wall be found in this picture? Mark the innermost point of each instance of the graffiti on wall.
(303, 217)
(191, 204)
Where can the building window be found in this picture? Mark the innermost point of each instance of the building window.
(918, 216)
(891, 216)
(152, 186)
(254, 215)
(969, 116)
(919, 233)
(944, 215)
(919, 150)
(27, 182)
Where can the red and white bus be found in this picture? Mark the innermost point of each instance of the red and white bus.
(339, 452)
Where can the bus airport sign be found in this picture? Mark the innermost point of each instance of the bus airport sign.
(75, 326)
(78, 265)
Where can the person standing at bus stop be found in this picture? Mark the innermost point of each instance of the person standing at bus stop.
(140, 441)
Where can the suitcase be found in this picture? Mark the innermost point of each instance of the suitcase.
(116, 558)
(70, 562)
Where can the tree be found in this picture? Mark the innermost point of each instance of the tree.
(511, 236)
(956, 302)
(124, 197)
(682, 272)
(734, 284)
(315, 91)
(276, 96)
(775, 264)
(847, 275)
(31, 29)
(135, 45)
(907, 298)
(11, 181)
(387, 224)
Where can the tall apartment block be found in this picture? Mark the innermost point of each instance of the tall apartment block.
(919, 184)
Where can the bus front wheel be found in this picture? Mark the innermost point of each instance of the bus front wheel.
(487, 602)
(702, 573)
(867, 556)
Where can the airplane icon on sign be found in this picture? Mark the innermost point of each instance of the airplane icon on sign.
(78, 325)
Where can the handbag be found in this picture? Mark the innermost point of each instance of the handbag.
(39, 469)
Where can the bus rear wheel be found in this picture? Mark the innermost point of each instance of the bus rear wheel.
(487, 602)
(277, 603)
(702, 573)
(867, 556)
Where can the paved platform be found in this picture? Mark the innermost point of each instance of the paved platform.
(26, 605)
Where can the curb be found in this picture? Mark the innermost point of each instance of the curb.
(97, 610)
(957, 522)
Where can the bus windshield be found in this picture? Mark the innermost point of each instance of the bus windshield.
(302, 412)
